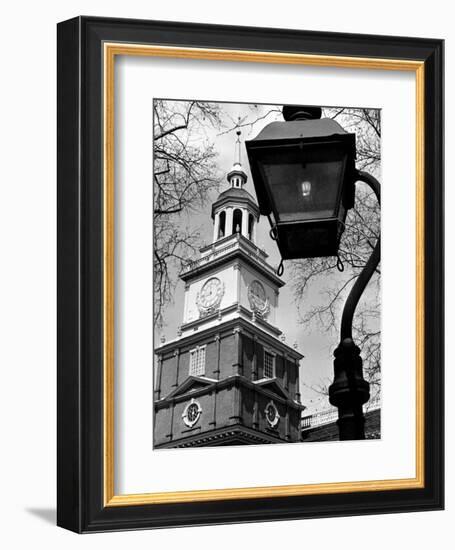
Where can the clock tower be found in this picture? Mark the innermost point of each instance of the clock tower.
(228, 378)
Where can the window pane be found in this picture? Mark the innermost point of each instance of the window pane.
(268, 365)
(201, 362)
(193, 358)
(306, 188)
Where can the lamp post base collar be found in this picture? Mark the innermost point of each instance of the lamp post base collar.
(349, 390)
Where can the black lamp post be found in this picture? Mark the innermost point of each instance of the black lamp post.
(304, 174)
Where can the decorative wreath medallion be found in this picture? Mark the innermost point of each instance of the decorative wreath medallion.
(257, 297)
(192, 413)
(209, 298)
(271, 414)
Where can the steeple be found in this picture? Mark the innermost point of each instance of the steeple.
(237, 177)
(235, 210)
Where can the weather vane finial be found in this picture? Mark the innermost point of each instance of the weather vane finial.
(237, 157)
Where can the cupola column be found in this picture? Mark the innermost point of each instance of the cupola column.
(216, 227)
(245, 217)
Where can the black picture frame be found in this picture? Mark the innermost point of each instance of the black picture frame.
(81, 473)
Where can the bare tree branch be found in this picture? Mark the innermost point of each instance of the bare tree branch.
(185, 172)
(359, 238)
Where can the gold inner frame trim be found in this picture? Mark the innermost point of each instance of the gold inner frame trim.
(111, 50)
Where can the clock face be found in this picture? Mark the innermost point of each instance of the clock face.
(211, 293)
(257, 297)
(271, 414)
(192, 413)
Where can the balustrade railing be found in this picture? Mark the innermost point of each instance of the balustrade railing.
(328, 416)
(239, 243)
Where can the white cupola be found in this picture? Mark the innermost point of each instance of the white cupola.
(235, 210)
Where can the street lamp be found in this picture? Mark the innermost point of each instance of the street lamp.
(303, 170)
(304, 174)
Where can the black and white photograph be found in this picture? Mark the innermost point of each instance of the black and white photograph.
(267, 275)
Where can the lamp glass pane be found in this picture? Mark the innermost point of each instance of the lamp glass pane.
(304, 182)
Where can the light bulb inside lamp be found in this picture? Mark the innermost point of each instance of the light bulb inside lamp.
(306, 188)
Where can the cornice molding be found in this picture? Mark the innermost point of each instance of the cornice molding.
(225, 329)
(210, 385)
(241, 433)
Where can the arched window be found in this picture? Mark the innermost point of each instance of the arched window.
(237, 221)
(250, 226)
(222, 225)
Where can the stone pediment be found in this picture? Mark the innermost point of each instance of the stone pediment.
(273, 385)
(192, 383)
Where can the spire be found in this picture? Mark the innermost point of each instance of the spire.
(237, 177)
(237, 155)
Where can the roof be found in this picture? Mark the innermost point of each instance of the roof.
(235, 194)
(301, 129)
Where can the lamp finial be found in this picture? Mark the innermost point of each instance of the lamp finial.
(301, 112)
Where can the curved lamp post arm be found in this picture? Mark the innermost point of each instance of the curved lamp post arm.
(368, 270)
(349, 390)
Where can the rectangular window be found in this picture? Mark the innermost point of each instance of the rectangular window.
(269, 364)
(197, 361)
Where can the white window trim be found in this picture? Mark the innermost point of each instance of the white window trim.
(196, 350)
(273, 354)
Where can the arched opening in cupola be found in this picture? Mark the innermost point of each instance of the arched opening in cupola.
(250, 226)
(237, 221)
(222, 225)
